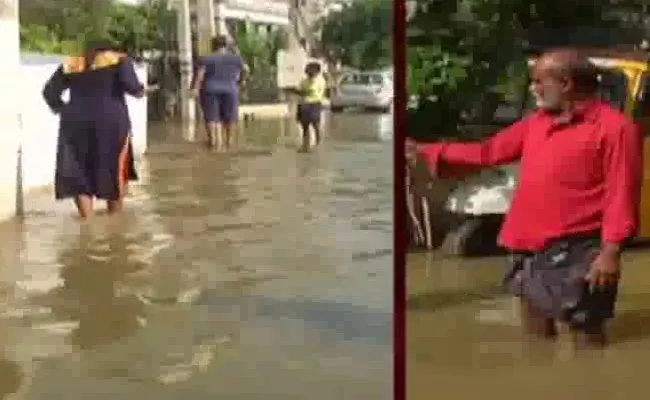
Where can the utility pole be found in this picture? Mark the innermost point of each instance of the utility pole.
(188, 105)
(206, 27)
(220, 19)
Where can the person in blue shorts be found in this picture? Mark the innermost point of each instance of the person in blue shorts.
(217, 87)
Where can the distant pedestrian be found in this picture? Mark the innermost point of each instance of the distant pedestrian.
(217, 84)
(312, 90)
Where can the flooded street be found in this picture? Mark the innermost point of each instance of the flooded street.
(264, 274)
(465, 342)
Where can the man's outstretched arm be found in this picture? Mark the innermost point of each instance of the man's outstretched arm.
(449, 159)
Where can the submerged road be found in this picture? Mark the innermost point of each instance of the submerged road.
(465, 341)
(262, 274)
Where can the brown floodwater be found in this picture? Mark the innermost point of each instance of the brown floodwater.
(261, 274)
(465, 343)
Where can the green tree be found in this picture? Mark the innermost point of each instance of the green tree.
(260, 50)
(359, 35)
(41, 39)
(65, 26)
(149, 25)
(468, 52)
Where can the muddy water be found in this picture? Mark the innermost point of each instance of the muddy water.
(465, 343)
(262, 274)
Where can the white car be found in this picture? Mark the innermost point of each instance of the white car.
(371, 90)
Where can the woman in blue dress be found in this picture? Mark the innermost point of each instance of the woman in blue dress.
(94, 154)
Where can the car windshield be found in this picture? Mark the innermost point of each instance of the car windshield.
(611, 89)
(362, 79)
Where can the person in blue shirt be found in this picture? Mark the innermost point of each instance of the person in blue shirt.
(217, 86)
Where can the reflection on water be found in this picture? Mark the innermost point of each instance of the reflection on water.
(260, 274)
(365, 128)
(91, 270)
(10, 377)
(465, 342)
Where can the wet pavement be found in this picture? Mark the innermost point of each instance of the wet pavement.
(465, 342)
(262, 274)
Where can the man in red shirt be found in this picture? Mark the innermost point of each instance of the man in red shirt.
(576, 202)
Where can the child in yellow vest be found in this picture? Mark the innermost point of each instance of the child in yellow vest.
(312, 91)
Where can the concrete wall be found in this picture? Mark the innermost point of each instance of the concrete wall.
(9, 45)
(29, 154)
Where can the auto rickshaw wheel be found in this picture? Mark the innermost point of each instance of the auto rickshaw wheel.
(475, 237)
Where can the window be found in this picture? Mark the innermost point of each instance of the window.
(642, 107)
(363, 79)
(612, 88)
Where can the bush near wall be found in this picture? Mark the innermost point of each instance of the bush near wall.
(65, 26)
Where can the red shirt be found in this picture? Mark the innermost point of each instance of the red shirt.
(576, 176)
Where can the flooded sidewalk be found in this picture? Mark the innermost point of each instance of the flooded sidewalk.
(464, 337)
(262, 274)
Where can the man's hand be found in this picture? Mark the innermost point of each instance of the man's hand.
(605, 270)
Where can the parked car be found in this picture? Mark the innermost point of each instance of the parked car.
(370, 90)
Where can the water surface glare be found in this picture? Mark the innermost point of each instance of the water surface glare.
(262, 274)
(464, 338)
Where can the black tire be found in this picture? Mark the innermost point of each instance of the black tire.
(388, 108)
(475, 237)
(374, 110)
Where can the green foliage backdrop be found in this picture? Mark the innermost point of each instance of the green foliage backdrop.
(462, 53)
(65, 26)
(359, 36)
